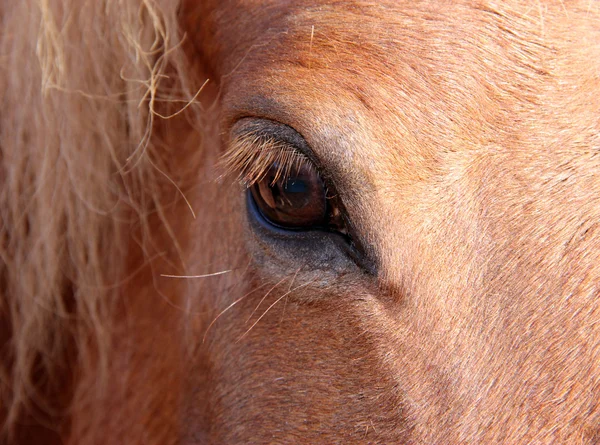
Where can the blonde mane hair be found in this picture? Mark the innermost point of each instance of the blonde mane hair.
(81, 85)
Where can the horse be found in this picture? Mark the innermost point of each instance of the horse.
(227, 222)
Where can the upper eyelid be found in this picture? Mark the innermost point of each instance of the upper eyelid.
(256, 144)
(271, 129)
(250, 158)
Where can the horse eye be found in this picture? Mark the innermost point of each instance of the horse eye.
(293, 200)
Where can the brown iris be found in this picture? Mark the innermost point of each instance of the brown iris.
(293, 200)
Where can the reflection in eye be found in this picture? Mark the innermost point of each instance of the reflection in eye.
(296, 200)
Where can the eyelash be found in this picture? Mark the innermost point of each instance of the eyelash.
(251, 157)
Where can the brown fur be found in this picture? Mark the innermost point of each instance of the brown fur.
(463, 139)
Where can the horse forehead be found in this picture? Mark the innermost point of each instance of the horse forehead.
(413, 80)
(405, 61)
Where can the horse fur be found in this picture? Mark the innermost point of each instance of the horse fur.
(463, 137)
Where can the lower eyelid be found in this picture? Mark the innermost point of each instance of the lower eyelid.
(297, 240)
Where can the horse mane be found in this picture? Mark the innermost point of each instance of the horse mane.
(81, 85)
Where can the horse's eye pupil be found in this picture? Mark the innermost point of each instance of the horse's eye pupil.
(294, 201)
(296, 185)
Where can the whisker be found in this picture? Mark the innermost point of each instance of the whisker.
(227, 308)
(265, 296)
(273, 304)
(289, 288)
(197, 276)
